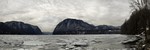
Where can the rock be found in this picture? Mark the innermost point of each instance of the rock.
(96, 41)
(61, 44)
(132, 40)
(78, 48)
(67, 48)
(80, 44)
(70, 46)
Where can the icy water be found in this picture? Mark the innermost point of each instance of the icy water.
(64, 42)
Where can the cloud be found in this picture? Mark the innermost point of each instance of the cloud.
(48, 13)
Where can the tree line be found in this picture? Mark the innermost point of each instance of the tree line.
(139, 22)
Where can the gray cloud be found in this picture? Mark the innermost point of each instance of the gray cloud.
(48, 13)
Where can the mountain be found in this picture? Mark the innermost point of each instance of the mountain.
(107, 29)
(72, 26)
(19, 28)
(4, 28)
(75, 26)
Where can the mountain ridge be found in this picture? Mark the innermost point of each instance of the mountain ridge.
(76, 26)
(19, 28)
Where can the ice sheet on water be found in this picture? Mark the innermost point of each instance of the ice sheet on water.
(49, 42)
(34, 43)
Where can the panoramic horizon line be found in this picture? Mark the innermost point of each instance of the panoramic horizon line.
(59, 22)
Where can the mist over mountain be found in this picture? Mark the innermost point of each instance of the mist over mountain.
(75, 26)
(19, 28)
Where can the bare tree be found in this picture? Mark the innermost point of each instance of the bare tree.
(139, 21)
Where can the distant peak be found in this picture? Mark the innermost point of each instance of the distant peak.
(70, 19)
(14, 22)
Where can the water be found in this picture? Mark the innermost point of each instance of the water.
(65, 42)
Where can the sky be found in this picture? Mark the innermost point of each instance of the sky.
(46, 14)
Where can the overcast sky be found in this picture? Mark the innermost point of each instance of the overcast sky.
(48, 13)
